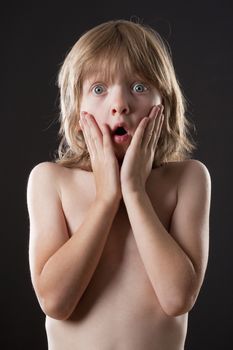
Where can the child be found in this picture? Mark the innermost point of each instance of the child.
(119, 222)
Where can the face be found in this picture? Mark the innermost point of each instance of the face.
(122, 101)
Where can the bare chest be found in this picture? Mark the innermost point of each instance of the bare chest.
(78, 192)
(119, 308)
(120, 275)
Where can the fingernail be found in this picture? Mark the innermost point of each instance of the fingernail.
(83, 114)
(161, 108)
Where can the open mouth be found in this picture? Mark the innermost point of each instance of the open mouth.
(120, 131)
(120, 135)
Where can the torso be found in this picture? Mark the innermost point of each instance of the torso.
(119, 309)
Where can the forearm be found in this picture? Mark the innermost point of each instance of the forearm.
(67, 273)
(169, 269)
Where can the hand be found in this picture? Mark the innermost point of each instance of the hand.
(103, 160)
(139, 156)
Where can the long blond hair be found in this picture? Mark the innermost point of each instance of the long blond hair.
(136, 47)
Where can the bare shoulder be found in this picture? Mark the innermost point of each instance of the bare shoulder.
(43, 187)
(187, 169)
(45, 173)
(193, 171)
(45, 169)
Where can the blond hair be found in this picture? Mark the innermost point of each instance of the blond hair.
(137, 48)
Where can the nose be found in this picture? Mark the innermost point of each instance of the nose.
(120, 103)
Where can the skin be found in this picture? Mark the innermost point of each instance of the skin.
(180, 287)
(96, 259)
(103, 105)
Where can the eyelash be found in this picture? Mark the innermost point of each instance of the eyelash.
(96, 86)
(145, 87)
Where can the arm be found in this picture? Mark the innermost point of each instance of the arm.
(61, 267)
(175, 261)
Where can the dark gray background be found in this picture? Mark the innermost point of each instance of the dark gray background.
(35, 39)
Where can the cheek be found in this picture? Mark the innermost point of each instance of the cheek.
(90, 106)
(93, 108)
(85, 104)
(158, 98)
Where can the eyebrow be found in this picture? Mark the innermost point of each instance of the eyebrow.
(98, 77)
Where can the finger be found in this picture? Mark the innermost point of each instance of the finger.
(85, 131)
(95, 134)
(149, 132)
(107, 141)
(138, 135)
(156, 126)
(158, 132)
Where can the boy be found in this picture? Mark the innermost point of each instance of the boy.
(119, 224)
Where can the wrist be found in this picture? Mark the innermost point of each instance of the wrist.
(129, 191)
(110, 202)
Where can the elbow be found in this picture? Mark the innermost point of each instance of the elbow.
(179, 306)
(54, 303)
(55, 308)
(181, 301)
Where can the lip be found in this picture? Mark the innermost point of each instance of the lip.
(121, 138)
(120, 125)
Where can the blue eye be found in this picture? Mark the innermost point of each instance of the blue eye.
(98, 89)
(138, 87)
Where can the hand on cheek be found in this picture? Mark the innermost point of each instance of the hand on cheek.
(104, 163)
(139, 156)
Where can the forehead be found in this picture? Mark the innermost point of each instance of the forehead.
(109, 68)
(111, 77)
